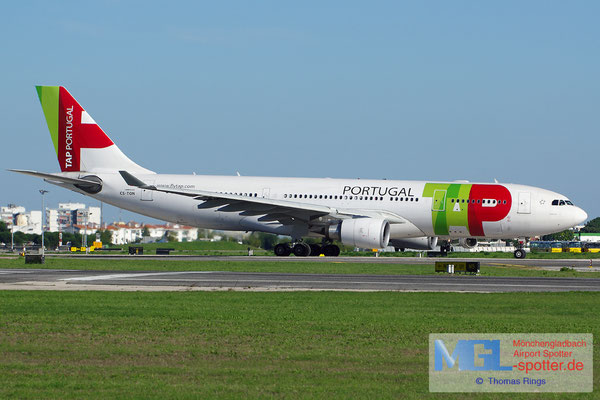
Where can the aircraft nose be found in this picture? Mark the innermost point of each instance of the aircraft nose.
(579, 215)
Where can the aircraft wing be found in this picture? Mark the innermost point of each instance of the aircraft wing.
(284, 211)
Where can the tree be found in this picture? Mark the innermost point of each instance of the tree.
(260, 239)
(105, 237)
(171, 237)
(592, 226)
(145, 232)
(562, 236)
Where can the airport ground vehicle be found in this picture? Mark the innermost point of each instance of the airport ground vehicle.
(591, 247)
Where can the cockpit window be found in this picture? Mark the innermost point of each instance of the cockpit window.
(558, 202)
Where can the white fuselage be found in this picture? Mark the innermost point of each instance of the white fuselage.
(529, 210)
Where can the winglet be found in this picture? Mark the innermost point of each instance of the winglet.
(133, 181)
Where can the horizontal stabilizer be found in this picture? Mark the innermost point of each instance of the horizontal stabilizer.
(55, 177)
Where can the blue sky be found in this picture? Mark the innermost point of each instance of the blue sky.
(433, 90)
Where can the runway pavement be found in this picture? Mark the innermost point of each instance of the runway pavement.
(551, 264)
(43, 279)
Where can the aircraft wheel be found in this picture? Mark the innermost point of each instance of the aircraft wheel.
(331, 250)
(315, 250)
(282, 250)
(520, 253)
(301, 249)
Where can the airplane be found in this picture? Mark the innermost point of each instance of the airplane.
(362, 213)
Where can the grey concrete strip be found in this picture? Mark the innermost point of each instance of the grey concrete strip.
(61, 279)
(528, 262)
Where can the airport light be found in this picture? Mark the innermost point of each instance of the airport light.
(43, 192)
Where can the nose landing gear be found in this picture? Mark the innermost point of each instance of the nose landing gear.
(520, 251)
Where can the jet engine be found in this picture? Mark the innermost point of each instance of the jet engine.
(418, 243)
(468, 243)
(368, 233)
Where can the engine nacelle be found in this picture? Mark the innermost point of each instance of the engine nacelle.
(418, 243)
(368, 233)
(469, 243)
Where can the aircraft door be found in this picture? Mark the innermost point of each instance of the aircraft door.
(524, 203)
(439, 200)
(147, 194)
(266, 193)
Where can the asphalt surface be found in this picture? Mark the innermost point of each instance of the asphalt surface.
(42, 279)
(527, 262)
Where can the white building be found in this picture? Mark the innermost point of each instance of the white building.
(7, 214)
(123, 233)
(30, 222)
(590, 237)
(68, 215)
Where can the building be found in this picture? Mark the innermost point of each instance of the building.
(68, 215)
(19, 220)
(589, 237)
(7, 214)
(131, 232)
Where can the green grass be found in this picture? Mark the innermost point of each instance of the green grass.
(308, 267)
(194, 248)
(256, 345)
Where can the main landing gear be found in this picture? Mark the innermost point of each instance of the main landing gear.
(302, 249)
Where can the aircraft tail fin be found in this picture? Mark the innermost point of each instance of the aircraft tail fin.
(79, 142)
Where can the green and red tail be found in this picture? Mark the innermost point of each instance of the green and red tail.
(79, 142)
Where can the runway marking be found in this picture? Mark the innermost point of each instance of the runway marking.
(282, 281)
(118, 276)
(8, 272)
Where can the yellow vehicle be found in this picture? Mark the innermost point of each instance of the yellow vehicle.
(574, 247)
(556, 247)
(593, 247)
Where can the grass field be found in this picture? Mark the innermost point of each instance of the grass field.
(333, 267)
(234, 345)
